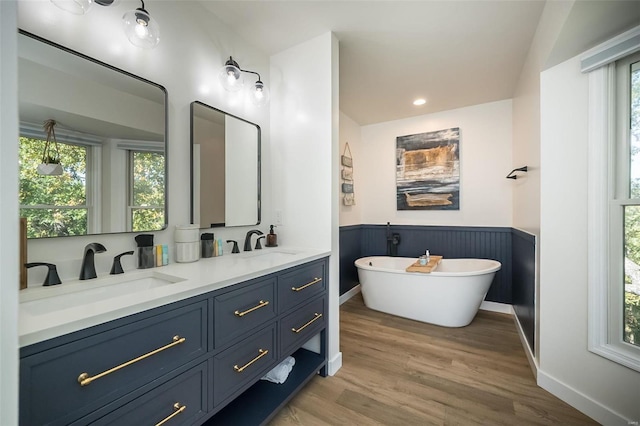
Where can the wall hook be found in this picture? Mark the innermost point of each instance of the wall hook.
(512, 176)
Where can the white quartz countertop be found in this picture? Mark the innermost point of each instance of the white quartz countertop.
(48, 312)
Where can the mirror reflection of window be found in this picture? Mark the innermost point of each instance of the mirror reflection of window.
(109, 112)
(146, 188)
(54, 205)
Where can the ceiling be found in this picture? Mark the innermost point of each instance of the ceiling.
(451, 53)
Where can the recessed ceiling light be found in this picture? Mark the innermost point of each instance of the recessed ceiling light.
(419, 102)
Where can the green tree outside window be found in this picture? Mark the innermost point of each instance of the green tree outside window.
(53, 205)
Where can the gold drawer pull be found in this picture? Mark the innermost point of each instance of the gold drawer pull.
(260, 304)
(85, 380)
(263, 352)
(316, 316)
(177, 410)
(315, 281)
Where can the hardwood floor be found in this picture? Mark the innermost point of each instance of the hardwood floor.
(397, 371)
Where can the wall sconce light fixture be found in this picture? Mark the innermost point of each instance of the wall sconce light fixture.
(231, 78)
(141, 29)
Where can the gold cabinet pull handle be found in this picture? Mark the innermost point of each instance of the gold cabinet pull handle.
(177, 409)
(315, 281)
(85, 380)
(263, 352)
(316, 316)
(260, 304)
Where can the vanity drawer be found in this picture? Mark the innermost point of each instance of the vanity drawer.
(300, 285)
(299, 326)
(243, 363)
(116, 362)
(239, 311)
(188, 390)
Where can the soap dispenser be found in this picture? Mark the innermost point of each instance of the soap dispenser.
(272, 238)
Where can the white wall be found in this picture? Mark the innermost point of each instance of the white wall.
(9, 242)
(304, 123)
(602, 389)
(194, 45)
(350, 132)
(526, 134)
(485, 161)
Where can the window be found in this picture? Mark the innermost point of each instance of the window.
(54, 205)
(614, 211)
(628, 81)
(146, 190)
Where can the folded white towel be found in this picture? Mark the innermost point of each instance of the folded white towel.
(280, 372)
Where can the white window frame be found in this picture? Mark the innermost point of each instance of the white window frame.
(131, 207)
(608, 161)
(92, 184)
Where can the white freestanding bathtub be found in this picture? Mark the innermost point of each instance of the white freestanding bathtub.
(448, 296)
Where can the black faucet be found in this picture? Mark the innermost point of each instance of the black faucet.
(52, 277)
(258, 246)
(235, 246)
(116, 267)
(247, 240)
(88, 269)
(392, 242)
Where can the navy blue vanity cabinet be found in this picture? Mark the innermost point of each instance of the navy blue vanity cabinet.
(301, 284)
(196, 361)
(303, 323)
(243, 363)
(241, 310)
(64, 383)
(301, 315)
(180, 401)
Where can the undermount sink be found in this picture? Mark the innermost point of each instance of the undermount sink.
(42, 300)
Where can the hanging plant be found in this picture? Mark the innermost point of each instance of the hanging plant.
(50, 165)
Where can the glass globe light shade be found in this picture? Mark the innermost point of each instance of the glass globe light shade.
(77, 7)
(141, 29)
(231, 77)
(259, 94)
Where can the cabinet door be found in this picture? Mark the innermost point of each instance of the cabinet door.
(242, 310)
(180, 401)
(243, 363)
(60, 385)
(300, 285)
(300, 325)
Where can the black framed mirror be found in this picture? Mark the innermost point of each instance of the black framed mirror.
(225, 169)
(110, 133)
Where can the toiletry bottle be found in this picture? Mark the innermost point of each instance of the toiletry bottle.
(272, 239)
(220, 247)
(427, 256)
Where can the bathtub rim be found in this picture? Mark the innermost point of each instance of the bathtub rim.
(494, 267)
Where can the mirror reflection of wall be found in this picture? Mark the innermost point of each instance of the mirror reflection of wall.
(225, 168)
(111, 135)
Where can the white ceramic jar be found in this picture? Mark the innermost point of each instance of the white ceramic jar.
(187, 238)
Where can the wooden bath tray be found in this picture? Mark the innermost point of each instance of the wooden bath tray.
(417, 267)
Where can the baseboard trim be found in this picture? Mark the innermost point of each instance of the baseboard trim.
(502, 308)
(334, 364)
(525, 345)
(349, 294)
(581, 402)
